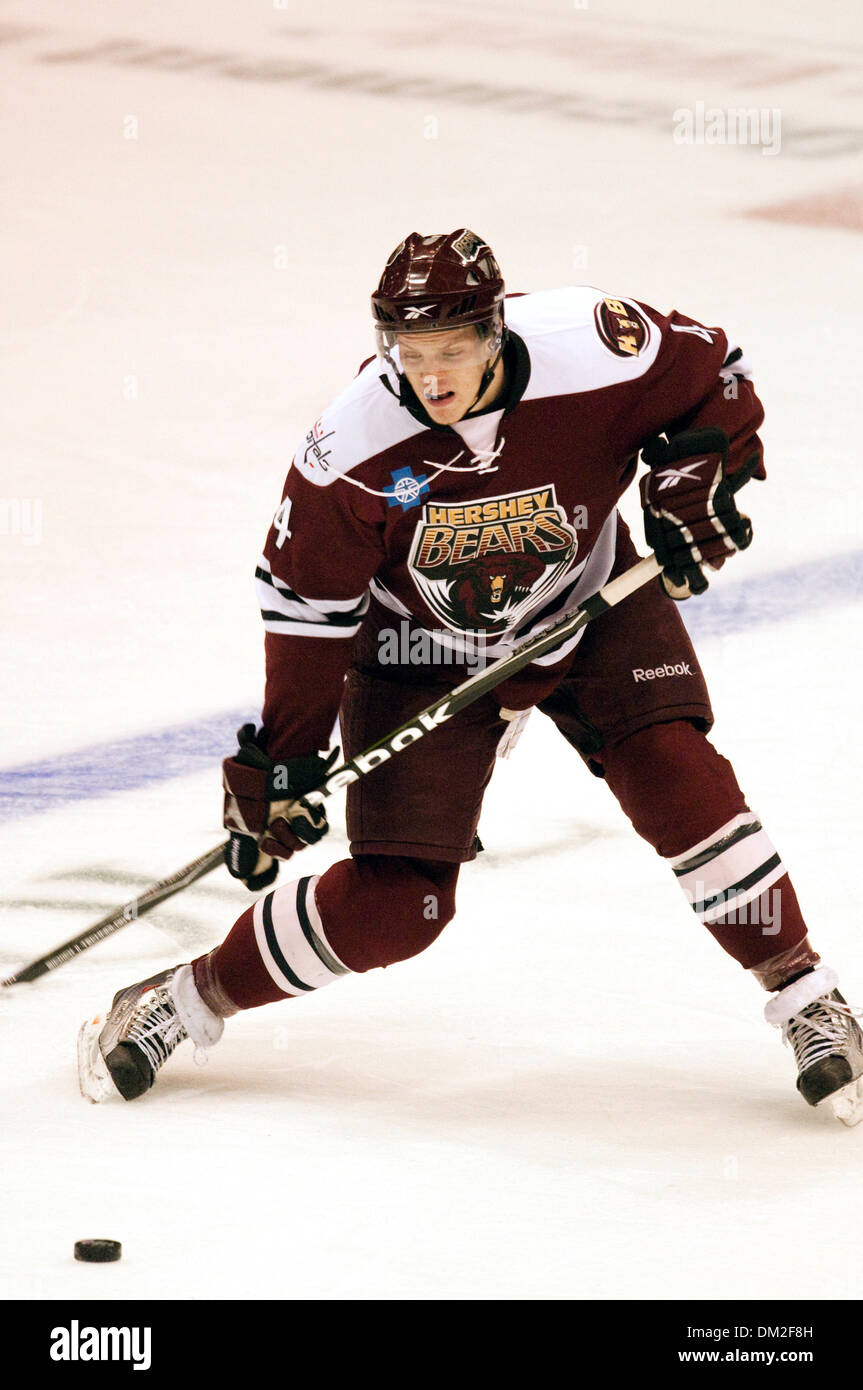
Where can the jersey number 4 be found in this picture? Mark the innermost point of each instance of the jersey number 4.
(697, 330)
(280, 522)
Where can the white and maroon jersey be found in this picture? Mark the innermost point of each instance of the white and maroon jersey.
(494, 527)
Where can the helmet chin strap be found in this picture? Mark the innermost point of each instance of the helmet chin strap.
(404, 385)
(488, 375)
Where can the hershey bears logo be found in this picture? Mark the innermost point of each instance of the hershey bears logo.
(621, 327)
(485, 565)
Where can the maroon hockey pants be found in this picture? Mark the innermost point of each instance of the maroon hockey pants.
(376, 909)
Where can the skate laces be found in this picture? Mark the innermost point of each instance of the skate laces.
(155, 1028)
(823, 1028)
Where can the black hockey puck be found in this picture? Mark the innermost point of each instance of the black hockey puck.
(98, 1252)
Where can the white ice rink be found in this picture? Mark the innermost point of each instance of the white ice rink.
(573, 1094)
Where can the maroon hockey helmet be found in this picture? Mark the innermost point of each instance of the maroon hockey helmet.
(434, 283)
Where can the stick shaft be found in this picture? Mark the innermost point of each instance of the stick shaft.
(480, 684)
(410, 732)
(113, 921)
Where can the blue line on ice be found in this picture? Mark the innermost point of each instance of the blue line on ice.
(120, 765)
(142, 759)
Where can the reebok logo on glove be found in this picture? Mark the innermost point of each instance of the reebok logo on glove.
(673, 476)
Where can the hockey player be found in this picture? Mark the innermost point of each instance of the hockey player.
(463, 491)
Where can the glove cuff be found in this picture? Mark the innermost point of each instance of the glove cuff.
(712, 440)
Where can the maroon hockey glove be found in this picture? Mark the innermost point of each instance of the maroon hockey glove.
(265, 810)
(690, 516)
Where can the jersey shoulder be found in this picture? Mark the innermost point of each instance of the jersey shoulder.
(581, 338)
(359, 423)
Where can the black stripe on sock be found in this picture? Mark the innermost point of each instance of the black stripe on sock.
(730, 894)
(311, 935)
(705, 856)
(275, 949)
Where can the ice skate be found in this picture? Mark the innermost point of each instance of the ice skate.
(827, 1042)
(123, 1051)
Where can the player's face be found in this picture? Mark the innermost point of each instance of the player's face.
(445, 370)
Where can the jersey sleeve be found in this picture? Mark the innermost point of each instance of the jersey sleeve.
(700, 378)
(313, 588)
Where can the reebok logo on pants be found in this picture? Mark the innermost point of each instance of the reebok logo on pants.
(652, 673)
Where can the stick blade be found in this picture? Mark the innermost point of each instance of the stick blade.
(94, 1080)
(21, 977)
(848, 1103)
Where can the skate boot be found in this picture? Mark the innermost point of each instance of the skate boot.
(827, 1041)
(146, 1022)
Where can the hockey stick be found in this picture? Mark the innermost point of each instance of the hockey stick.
(416, 728)
(113, 921)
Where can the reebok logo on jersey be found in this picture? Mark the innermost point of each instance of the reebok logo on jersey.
(672, 476)
(653, 673)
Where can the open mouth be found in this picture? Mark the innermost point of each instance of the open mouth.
(439, 397)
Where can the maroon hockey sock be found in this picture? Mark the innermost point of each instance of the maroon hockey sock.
(683, 798)
(233, 975)
(767, 935)
(373, 911)
(779, 970)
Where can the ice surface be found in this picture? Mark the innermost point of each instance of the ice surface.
(573, 1094)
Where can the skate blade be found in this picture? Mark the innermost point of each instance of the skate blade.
(848, 1103)
(94, 1079)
